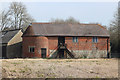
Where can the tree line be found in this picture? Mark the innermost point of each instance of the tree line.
(114, 31)
(68, 20)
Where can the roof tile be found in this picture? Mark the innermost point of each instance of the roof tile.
(65, 29)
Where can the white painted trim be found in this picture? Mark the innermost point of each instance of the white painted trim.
(31, 47)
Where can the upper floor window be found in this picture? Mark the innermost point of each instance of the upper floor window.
(75, 39)
(95, 39)
(31, 49)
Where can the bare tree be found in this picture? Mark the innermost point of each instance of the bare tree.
(69, 20)
(115, 32)
(16, 17)
(5, 19)
(57, 20)
(19, 15)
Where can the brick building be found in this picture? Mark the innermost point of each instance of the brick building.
(66, 40)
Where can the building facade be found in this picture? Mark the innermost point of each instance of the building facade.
(11, 43)
(52, 40)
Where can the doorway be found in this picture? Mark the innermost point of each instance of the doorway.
(43, 52)
(4, 51)
(61, 40)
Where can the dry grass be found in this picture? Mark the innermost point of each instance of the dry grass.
(60, 68)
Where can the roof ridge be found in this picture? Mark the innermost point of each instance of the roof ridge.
(101, 26)
(63, 23)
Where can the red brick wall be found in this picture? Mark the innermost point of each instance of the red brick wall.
(53, 42)
(85, 43)
(50, 43)
(38, 42)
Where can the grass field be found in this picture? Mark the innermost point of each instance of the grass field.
(60, 68)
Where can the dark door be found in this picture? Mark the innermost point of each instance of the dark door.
(43, 52)
(61, 40)
(4, 52)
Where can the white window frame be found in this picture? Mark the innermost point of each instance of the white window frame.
(30, 49)
(95, 39)
(75, 39)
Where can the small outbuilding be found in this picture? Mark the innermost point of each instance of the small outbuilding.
(11, 43)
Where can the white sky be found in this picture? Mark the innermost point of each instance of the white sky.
(86, 11)
(60, 0)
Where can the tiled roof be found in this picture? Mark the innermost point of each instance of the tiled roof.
(8, 35)
(65, 29)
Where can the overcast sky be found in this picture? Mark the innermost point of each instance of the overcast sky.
(85, 12)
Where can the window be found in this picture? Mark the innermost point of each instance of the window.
(31, 49)
(75, 39)
(95, 39)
